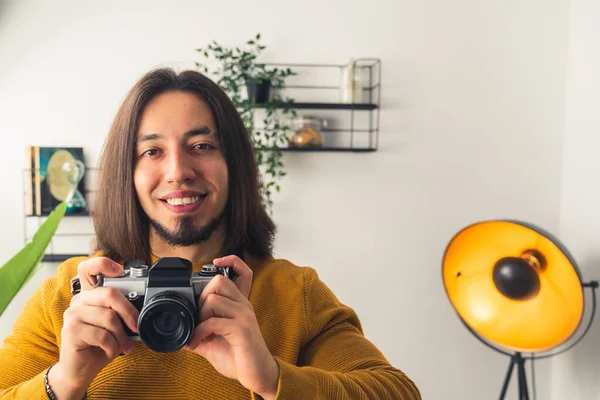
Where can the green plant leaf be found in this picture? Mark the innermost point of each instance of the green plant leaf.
(23, 265)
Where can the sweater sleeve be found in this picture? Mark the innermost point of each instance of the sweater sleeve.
(30, 349)
(338, 362)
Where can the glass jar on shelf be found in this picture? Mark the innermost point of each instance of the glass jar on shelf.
(307, 131)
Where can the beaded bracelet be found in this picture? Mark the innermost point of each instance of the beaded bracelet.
(49, 391)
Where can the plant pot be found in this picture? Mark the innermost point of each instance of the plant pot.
(259, 92)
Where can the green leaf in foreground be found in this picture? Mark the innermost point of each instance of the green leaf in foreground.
(19, 269)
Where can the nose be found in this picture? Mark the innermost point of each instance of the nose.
(179, 168)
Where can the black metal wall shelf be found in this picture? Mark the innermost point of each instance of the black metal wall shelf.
(60, 257)
(333, 149)
(360, 132)
(324, 106)
(82, 214)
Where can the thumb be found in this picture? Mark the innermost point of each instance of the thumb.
(91, 267)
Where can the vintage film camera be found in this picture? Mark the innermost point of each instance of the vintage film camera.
(166, 295)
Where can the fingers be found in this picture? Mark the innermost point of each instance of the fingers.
(112, 299)
(243, 272)
(108, 320)
(91, 267)
(219, 306)
(221, 286)
(211, 327)
(89, 335)
(237, 291)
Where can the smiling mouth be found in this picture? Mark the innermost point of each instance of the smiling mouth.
(183, 201)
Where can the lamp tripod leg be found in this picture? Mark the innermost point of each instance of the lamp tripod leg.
(522, 378)
(507, 379)
(523, 389)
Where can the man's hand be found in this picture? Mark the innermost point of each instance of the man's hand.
(228, 335)
(92, 332)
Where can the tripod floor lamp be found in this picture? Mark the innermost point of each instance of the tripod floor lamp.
(517, 289)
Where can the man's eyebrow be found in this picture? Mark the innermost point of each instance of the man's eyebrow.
(149, 136)
(202, 130)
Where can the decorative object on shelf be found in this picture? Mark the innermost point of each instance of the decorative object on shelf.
(235, 69)
(23, 265)
(74, 171)
(351, 90)
(66, 182)
(47, 185)
(517, 289)
(307, 131)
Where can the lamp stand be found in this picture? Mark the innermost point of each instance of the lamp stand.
(518, 359)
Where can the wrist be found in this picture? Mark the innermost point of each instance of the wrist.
(61, 388)
(272, 382)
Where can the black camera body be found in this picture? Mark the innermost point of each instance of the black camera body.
(166, 295)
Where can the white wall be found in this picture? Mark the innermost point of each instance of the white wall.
(575, 374)
(472, 124)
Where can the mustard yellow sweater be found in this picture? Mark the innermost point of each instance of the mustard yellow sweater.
(317, 341)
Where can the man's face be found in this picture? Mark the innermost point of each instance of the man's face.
(180, 176)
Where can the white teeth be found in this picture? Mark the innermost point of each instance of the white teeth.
(182, 201)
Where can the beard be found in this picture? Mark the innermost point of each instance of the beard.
(185, 233)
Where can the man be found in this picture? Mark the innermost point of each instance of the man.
(178, 178)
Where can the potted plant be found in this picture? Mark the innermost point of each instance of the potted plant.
(251, 86)
(258, 84)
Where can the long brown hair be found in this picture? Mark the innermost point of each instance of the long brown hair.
(122, 227)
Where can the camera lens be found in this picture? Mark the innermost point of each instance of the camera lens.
(166, 322)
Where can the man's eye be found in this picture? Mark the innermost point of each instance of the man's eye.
(150, 153)
(203, 146)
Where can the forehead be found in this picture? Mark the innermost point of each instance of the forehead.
(175, 113)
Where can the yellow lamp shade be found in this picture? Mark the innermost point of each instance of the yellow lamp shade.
(514, 285)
